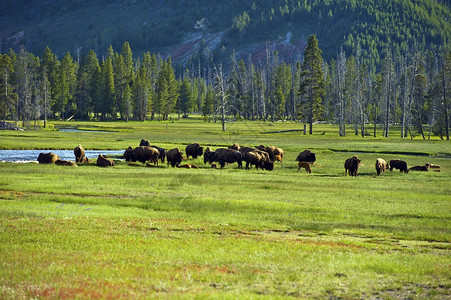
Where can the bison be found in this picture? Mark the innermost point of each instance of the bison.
(306, 156)
(194, 150)
(208, 155)
(102, 161)
(174, 157)
(305, 165)
(47, 158)
(162, 153)
(223, 156)
(272, 151)
(419, 168)
(257, 159)
(144, 143)
(398, 164)
(235, 147)
(142, 154)
(67, 163)
(352, 166)
(437, 168)
(381, 166)
(79, 153)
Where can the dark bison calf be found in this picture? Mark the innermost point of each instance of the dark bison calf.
(175, 157)
(352, 166)
(194, 150)
(102, 161)
(47, 158)
(398, 164)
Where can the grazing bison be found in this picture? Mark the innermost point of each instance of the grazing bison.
(245, 150)
(79, 153)
(47, 158)
(381, 166)
(352, 166)
(307, 156)
(194, 150)
(419, 168)
(162, 153)
(398, 164)
(257, 159)
(175, 157)
(142, 154)
(144, 143)
(223, 156)
(272, 151)
(67, 163)
(305, 165)
(102, 161)
(436, 168)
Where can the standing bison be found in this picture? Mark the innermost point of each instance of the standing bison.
(208, 156)
(102, 161)
(398, 164)
(142, 154)
(380, 166)
(352, 166)
(174, 157)
(275, 153)
(144, 142)
(79, 153)
(306, 156)
(194, 150)
(47, 158)
(258, 159)
(223, 156)
(162, 153)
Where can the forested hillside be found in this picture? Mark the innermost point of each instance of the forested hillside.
(158, 26)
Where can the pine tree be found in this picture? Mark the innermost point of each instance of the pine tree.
(108, 91)
(7, 95)
(186, 100)
(312, 86)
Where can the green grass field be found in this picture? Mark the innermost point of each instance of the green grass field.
(137, 232)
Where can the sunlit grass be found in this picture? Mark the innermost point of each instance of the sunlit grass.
(136, 232)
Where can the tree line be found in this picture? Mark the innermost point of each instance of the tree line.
(410, 89)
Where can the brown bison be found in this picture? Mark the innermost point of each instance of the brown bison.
(245, 150)
(419, 168)
(398, 164)
(235, 147)
(102, 161)
(144, 143)
(67, 163)
(194, 150)
(174, 157)
(304, 165)
(223, 156)
(272, 151)
(306, 156)
(436, 168)
(352, 166)
(381, 166)
(257, 159)
(47, 158)
(142, 154)
(162, 153)
(79, 153)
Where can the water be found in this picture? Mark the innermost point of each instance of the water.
(32, 155)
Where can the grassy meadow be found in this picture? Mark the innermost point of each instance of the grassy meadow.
(137, 232)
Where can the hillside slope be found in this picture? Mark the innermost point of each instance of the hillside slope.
(180, 28)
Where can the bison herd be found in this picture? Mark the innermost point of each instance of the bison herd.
(261, 157)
